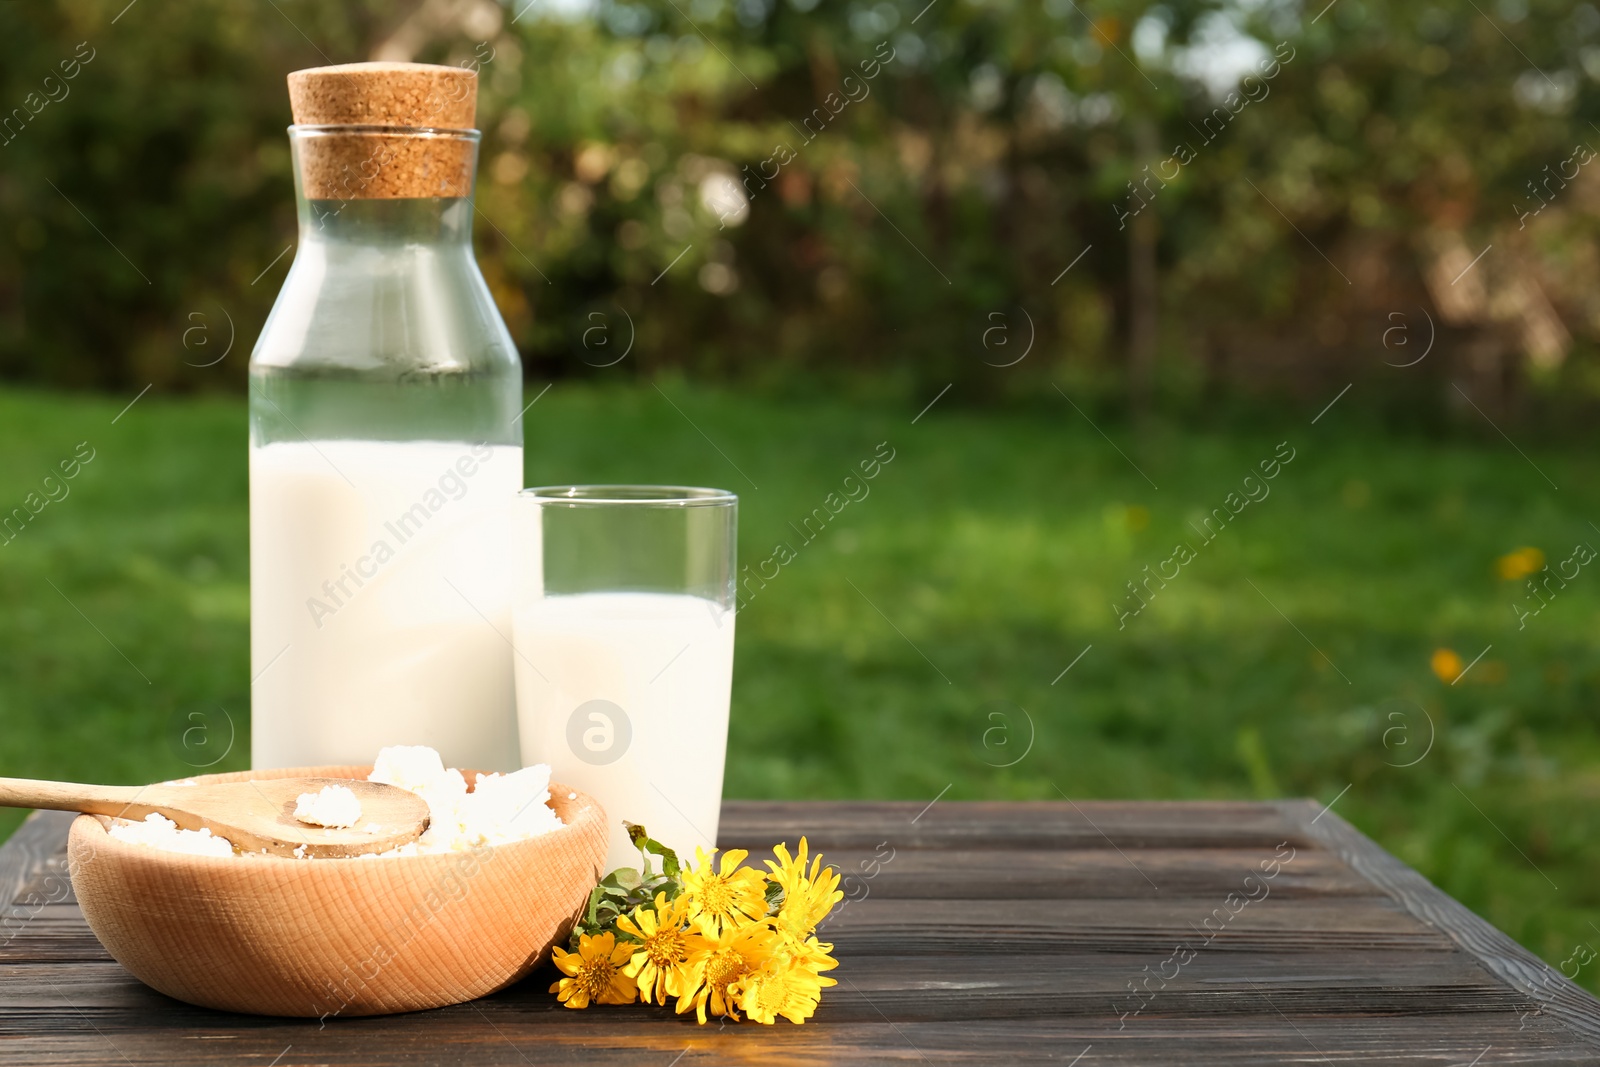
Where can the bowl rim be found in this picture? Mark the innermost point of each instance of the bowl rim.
(579, 804)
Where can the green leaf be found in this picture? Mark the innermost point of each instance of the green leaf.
(627, 888)
(669, 859)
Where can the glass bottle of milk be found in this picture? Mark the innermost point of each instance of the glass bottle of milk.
(385, 440)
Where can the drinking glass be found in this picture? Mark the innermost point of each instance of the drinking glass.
(623, 631)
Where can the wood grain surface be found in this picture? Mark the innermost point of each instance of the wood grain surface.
(973, 933)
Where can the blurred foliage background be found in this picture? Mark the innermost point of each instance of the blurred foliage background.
(1269, 199)
(804, 220)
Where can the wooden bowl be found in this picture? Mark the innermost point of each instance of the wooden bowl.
(331, 937)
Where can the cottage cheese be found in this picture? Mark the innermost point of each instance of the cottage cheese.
(158, 831)
(333, 806)
(499, 809)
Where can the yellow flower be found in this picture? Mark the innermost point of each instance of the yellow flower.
(787, 984)
(808, 896)
(815, 955)
(594, 972)
(726, 898)
(721, 960)
(661, 958)
(1519, 563)
(1446, 664)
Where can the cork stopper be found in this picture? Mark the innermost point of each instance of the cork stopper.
(417, 139)
(385, 94)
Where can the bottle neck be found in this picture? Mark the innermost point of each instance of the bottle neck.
(383, 186)
(442, 221)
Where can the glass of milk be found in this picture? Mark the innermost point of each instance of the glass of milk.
(623, 633)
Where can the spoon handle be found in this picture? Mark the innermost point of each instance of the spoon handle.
(123, 800)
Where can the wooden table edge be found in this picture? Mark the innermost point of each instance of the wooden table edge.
(1549, 991)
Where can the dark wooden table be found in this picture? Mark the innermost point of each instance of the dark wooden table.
(987, 933)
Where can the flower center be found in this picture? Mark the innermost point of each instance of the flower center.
(716, 898)
(772, 993)
(724, 966)
(666, 948)
(596, 976)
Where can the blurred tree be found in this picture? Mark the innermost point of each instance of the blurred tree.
(1168, 201)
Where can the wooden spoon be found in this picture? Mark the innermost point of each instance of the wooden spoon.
(255, 816)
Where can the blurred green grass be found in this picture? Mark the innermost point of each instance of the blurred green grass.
(983, 561)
